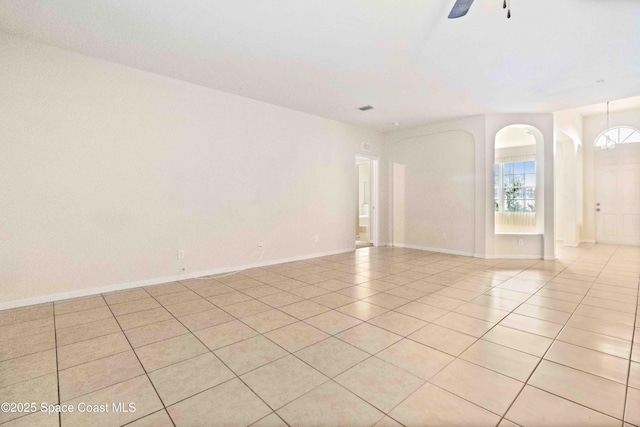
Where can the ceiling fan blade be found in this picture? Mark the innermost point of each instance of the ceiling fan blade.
(460, 8)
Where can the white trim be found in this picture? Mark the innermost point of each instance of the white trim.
(463, 253)
(375, 201)
(374, 198)
(155, 281)
(617, 139)
(430, 249)
(571, 245)
(516, 257)
(550, 258)
(521, 234)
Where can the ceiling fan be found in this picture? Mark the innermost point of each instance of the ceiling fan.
(461, 7)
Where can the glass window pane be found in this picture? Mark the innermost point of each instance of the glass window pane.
(518, 205)
(530, 193)
(530, 167)
(519, 179)
(531, 205)
(518, 168)
(508, 168)
(625, 133)
(510, 204)
(530, 180)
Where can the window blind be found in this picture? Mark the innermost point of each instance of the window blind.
(516, 159)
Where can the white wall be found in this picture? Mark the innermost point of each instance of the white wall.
(473, 126)
(483, 129)
(106, 171)
(434, 193)
(569, 177)
(594, 125)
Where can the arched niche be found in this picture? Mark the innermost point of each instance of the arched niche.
(433, 192)
(519, 180)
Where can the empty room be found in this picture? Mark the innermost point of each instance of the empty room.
(301, 213)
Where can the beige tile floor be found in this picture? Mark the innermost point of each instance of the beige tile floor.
(379, 336)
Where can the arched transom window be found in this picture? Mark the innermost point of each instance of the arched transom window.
(617, 135)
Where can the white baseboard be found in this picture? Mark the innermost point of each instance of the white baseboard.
(463, 253)
(430, 249)
(156, 281)
(512, 256)
(561, 241)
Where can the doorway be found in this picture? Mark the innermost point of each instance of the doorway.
(617, 191)
(366, 197)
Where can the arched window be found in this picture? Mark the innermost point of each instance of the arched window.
(617, 135)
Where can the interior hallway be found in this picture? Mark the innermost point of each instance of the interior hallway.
(379, 336)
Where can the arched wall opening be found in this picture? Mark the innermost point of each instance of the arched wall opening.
(518, 180)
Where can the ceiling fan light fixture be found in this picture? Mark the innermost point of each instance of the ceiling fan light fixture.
(461, 7)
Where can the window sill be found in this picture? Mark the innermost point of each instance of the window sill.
(512, 233)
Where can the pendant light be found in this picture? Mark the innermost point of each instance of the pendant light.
(610, 143)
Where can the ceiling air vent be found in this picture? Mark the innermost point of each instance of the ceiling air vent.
(366, 108)
(366, 146)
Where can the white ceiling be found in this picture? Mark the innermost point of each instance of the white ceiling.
(632, 103)
(329, 57)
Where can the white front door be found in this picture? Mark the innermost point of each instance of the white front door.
(618, 203)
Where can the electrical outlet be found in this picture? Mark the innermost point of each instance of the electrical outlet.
(520, 242)
(180, 253)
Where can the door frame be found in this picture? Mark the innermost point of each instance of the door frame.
(374, 203)
(614, 158)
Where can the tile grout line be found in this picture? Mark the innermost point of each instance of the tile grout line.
(55, 335)
(330, 379)
(406, 337)
(633, 335)
(217, 358)
(466, 348)
(465, 274)
(141, 365)
(551, 345)
(402, 337)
